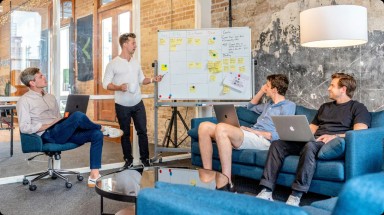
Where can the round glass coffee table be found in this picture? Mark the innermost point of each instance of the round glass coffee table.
(125, 185)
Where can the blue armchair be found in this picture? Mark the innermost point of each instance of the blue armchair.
(34, 143)
(360, 195)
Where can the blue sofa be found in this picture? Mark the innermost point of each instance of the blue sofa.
(363, 153)
(361, 195)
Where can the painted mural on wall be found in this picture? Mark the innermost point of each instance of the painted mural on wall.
(277, 50)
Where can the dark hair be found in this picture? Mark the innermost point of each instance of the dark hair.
(347, 81)
(125, 37)
(28, 75)
(280, 82)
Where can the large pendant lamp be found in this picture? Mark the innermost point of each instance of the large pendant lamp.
(333, 26)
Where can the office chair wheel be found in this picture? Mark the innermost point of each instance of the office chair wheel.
(54, 177)
(25, 181)
(32, 187)
(68, 184)
(80, 178)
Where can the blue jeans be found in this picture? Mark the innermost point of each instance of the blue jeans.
(137, 113)
(78, 129)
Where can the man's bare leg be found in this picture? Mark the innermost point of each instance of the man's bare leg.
(206, 134)
(227, 137)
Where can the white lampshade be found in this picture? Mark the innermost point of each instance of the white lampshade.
(333, 26)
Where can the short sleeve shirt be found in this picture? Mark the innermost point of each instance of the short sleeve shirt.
(333, 118)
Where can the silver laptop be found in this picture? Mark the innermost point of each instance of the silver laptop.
(293, 128)
(226, 114)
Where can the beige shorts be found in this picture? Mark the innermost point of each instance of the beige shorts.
(254, 141)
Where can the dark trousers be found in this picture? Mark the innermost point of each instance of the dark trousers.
(137, 113)
(280, 149)
(78, 129)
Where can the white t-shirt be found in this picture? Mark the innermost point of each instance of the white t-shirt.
(120, 71)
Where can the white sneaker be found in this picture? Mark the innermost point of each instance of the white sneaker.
(293, 200)
(92, 181)
(264, 194)
(112, 132)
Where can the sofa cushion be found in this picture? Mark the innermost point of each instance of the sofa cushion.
(377, 119)
(309, 113)
(247, 116)
(327, 204)
(238, 156)
(332, 150)
(193, 133)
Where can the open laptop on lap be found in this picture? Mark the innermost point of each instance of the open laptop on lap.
(226, 114)
(74, 103)
(293, 128)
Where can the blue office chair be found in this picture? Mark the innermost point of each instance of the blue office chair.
(34, 143)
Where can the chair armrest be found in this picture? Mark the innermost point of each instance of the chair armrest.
(195, 122)
(363, 151)
(31, 143)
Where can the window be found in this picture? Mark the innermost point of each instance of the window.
(104, 2)
(64, 61)
(66, 9)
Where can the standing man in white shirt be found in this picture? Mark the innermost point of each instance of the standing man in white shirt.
(124, 76)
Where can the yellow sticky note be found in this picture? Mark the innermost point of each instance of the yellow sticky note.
(197, 41)
(233, 60)
(172, 48)
(226, 89)
(212, 77)
(190, 41)
(198, 65)
(240, 60)
(226, 68)
(213, 54)
(172, 41)
(164, 67)
(163, 41)
(233, 68)
(192, 89)
(191, 65)
(211, 64)
(242, 69)
(211, 41)
(218, 66)
(179, 41)
(226, 61)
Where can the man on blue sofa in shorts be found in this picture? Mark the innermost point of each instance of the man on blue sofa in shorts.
(332, 120)
(259, 136)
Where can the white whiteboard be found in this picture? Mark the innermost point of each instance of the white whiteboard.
(205, 64)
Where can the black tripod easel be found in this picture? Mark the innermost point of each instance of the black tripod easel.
(173, 122)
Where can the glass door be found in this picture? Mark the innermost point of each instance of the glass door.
(113, 23)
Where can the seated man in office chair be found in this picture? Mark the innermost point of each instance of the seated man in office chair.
(39, 113)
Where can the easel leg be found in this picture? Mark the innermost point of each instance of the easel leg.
(173, 121)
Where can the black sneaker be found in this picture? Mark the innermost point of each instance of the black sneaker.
(145, 162)
(229, 188)
(127, 165)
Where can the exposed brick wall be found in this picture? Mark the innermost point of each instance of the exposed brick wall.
(162, 15)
